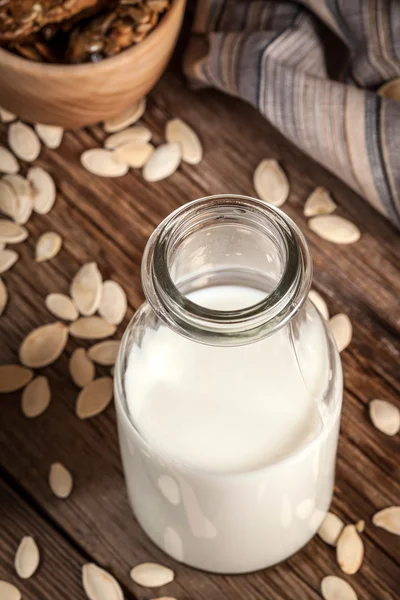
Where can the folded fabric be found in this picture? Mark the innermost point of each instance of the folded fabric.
(271, 54)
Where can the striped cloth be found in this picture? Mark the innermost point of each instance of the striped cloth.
(271, 54)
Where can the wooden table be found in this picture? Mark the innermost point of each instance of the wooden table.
(109, 221)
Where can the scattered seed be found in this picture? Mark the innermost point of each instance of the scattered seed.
(8, 162)
(385, 416)
(94, 398)
(81, 368)
(135, 155)
(388, 519)
(8, 200)
(50, 135)
(152, 575)
(330, 529)
(319, 303)
(319, 202)
(271, 183)
(62, 307)
(162, 163)
(7, 259)
(99, 584)
(178, 132)
(23, 191)
(23, 141)
(126, 118)
(6, 116)
(113, 303)
(342, 330)
(360, 526)
(336, 588)
(27, 558)
(60, 480)
(44, 190)
(349, 550)
(335, 229)
(13, 378)
(43, 345)
(92, 328)
(48, 246)
(390, 89)
(12, 233)
(104, 353)
(36, 397)
(8, 591)
(86, 289)
(103, 162)
(132, 135)
(3, 296)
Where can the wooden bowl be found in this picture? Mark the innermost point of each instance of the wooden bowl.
(78, 95)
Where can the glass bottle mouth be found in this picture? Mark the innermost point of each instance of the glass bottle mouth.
(187, 251)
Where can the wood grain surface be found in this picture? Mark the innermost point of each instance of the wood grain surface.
(109, 221)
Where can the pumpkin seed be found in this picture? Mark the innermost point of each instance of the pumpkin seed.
(43, 345)
(162, 163)
(132, 135)
(103, 162)
(3, 296)
(385, 416)
(60, 480)
(23, 141)
(48, 246)
(13, 378)
(113, 303)
(99, 584)
(271, 183)
(104, 353)
(7, 259)
(335, 229)
(349, 550)
(36, 397)
(6, 116)
(178, 132)
(61, 306)
(91, 328)
(81, 368)
(390, 89)
(126, 118)
(51, 135)
(135, 155)
(319, 303)
(342, 330)
(12, 233)
(8, 162)
(43, 188)
(86, 289)
(330, 529)
(27, 558)
(152, 575)
(23, 191)
(8, 591)
(319, 202)
(336, 588)
(360, 526)
(94, 398)
(388, 519)
(8, 200)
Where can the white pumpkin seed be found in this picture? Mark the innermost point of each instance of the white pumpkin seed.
(43, 345)
(12, 233)
(8, 200)
(8, 162)
(135, 155)
(129, 116)
(43, 190)
(8, 591)
(3, 296)
(23, 141)
(390, 89)
(152, 575)
(61, 306)
(360, 526)
(23, 191)
(132, 135)
(51, 135)
(27, 558)
(6, 116)
(7, 259)
(104, 353)
(319, 303)
(385, 416)
(13, 378)
(94, 398)
(81, 368)
(336, 588)
(179, 132)
(103, 162)
(86, 289)
(99, 584)
(48, 246)
(60, 481)
(335, 229)
(319, 202)
(92, 328)
(36, 397)
(162, 163)
(113, 303)
(388, 519)
(349, 550)
(330, 529)
(342, 330)
(271, 183)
